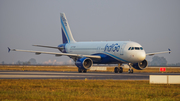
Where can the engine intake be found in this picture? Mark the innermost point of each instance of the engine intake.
(84, 63)
(140, 65)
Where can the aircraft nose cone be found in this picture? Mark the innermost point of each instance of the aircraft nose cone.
(142, 56)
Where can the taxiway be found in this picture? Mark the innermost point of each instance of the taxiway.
(75, 75)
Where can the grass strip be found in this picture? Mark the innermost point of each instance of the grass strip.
(73, 90)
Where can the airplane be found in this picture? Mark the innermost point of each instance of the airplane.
(85, 54)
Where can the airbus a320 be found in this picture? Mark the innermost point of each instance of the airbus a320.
(85, 54)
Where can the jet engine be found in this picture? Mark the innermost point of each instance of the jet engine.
(84, 63)
(140, 65)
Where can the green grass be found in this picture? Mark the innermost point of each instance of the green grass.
(75, 90)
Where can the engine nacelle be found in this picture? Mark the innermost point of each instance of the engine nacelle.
(84, 63)
(140, 65)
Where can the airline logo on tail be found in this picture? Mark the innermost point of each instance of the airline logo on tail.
(66, 32)
(64, 20)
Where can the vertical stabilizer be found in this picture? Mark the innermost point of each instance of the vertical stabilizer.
(66, 32)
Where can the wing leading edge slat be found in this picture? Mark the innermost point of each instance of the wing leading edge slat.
(48, 46)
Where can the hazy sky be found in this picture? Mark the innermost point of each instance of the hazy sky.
(155, 24)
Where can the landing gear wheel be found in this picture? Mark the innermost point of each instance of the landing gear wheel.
(79, 70)
(120, 70)
(130, 71)
(116, 70)
(85, 71)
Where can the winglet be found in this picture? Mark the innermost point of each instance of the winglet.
(9, 49)
(169, 50)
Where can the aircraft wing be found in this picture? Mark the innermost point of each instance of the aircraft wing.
(150, 54)
(56, 54)
(48, 46)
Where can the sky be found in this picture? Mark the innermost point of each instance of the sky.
(155, 24)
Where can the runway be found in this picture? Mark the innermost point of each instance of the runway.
(76, 75)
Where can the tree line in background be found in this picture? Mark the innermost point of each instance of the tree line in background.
(31, 61)
(156, 61)
(160, 61)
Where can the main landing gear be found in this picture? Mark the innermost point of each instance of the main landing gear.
(82, 70)
(118, 69)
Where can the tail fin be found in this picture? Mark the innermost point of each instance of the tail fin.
(66, 32)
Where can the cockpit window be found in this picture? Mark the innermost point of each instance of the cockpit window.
(135, 48)
(129, 48)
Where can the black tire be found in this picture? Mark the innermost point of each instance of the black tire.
(85, 71)
(120, 70)
(116, 70)
(131, 70)
(79, 70)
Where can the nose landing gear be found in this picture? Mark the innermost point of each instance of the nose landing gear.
(130, 68)
(130, 71)
(119, 69)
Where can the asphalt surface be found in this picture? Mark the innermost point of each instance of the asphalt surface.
(76, 75)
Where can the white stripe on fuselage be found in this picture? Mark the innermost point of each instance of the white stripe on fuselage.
(113, 49)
